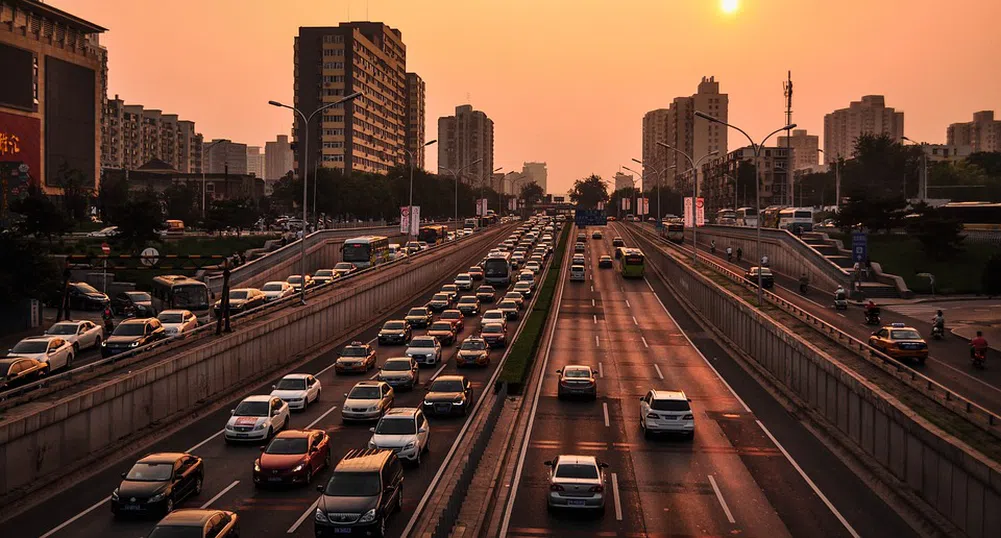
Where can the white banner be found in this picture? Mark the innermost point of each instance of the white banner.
(644, 206)
(512, 204)
(700, 211)
(601, 206)
(415, 218)
(625, 204)
(405, 220)
(688, 212)
(481, 207)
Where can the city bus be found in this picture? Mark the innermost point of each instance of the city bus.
(366, 251)
(770, 216)
(497, 269)
(181, 292)
(174, 227)
(796, 219)
(472, 224)
(726, 217)
(675, 232)
(433, 234)
(632, 263)
(747, 216)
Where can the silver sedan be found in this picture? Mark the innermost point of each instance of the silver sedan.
(576, 482)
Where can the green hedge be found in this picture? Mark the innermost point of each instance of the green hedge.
(523, 349)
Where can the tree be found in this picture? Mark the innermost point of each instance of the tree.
(27, 272)
(587, 192)
(182, 202)
(873, 214)
(41, 217)
(240, 214)
(531, 193)
(139, 222)
(940, 237)
(881, 169)
(991, 277)
(113, 198)
(76, 192)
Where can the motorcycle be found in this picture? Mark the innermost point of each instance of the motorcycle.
(979, 358)
(872, 317)
(841, 302)
(937, 332)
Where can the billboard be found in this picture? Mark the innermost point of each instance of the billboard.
(700, 212)
(625, 203)
(70, 120)
(20, 141)
(19, 79)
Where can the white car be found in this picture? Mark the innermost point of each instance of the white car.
(55, 351)
(533, 266)
(666, 411)
(257, 418)
(464, 281)
(297, 390)
(425, 350)
(110, 231)
(176, 322)
(495, 315)
(82, 334)
(368, 400)
(277, 289)
(403, 430)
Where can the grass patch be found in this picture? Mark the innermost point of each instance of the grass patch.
(523, 350)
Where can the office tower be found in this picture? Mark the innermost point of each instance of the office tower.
(537, 173)
(224, 156)
(255, 161)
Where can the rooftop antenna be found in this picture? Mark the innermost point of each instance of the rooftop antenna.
(787, 89)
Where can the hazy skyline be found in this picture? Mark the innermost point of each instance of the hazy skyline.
(568, 82)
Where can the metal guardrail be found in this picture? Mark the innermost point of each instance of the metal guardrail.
(205, 329)
(935, 391)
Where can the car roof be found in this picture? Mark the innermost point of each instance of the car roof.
(669, 395)
(363, 460)
(294, 434)
(899, 327)
(40, 338)
(492, 324)
(468, 298)
(576, 367)
(494, 310)
(276, 282)
(134, 321)
(258, 398)
(175, 311)
(398, 359)
(369, 384)
(405, 412)
(188, 517)
(576, 459)
(68, 322)
(450, 377)
(162, 457)
(296, 376)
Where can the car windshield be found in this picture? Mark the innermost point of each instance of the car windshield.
(139, 296)
(365, 393)
(904, 334)
(493, 328)
(295, 383)
(239, 295)
(526, 277)
(475, 270)
(576, 470)
(354, 351)
(446, 385)
(130, 329)
(422, 342)
(252, 409)
(325, 273)
(526, 285)
(341, 266)
(576, 372)
(485, 289)
(670, 405)
(296, 445)
(394, 325)
(440, 297)
(62, 329)
(171, 317)
(396, 426)
(191, 296)
(273, 286)
(462, 277)
(417, 312)
(513, 295)
(397, 366)
(294, 280)
(86, 288)
(508, 304)
(353, 485)
(451, 314)
(441, 326)
(150, 472)
(467, 300)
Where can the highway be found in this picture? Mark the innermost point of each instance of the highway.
(752, 469)
(83, 510)
(948, 361)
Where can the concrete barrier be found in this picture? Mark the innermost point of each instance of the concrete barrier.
(952, 480)
(43, 440)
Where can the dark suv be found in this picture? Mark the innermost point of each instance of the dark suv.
(365, 488)
(132, 333)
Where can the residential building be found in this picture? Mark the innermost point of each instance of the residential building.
(255, 161)
(623, 181)
(52, 95)
(981, 134)
(512, 182)
(463, 139)
(868, 116)
(805, 148)
(368, 133)
(224, 156)
(946, 152)
(718, 184)
(157, 175)
(536, 172)
(133, 135)
(678, 127)
(278, 158)
(416, 123)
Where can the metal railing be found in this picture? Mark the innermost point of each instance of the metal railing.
(948, 398)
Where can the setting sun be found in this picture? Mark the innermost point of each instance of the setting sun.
(729, 6)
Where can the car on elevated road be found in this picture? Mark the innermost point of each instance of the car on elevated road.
(900, 342)
(494, 334)
(469, 305)
(576, 482)
(177, 322)
(444, 331)
(16, 371)
(157, 483)
(767, 278)
(404, 431)
(257, 418)
(440, 302)
(426, 350)
(449, 395)
(365, 488)
(198, 523)
(510, 308)
(455, 317)
(297, 390)
(83, 334)
(419, 317)
(277, 289)
(367, 400)
(577, 380)
(402, 372)
(292, 457)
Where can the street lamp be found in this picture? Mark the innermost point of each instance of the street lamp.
(410, 204)
(695, 193)
(757, 183)
(455, 173)
(483, 182)
(305, 175)
(923, 184)
(660, 182)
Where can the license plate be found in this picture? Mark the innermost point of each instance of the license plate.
(130, 507)
(243, 435)
(342, 530)
(573, 502)
(441, 408)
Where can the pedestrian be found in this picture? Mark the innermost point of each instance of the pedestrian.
(740, 254)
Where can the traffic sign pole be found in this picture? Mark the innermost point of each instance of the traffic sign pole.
(106, 250)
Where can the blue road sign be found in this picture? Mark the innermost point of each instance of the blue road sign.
(590, 217)
(860, 247)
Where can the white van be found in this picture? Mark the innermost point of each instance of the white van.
(576, 273)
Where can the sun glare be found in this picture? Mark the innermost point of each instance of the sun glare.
(729, 6)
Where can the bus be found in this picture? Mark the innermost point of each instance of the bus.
(770, 216)
(174, 227)
(472, 224)
(675, 232)
(497, 269)
(972, 213)
(366, 251)
(747, 216)
(726, 217)
(433, 234)
(632, 263)
(796, 219)
(181, 292)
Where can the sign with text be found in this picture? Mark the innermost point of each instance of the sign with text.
(590, 217)
(481, 207)
(404, 220)
(860, 247)
(700, 211)
(687, 214)
(415, 219)
(643, 206)
(20, 142)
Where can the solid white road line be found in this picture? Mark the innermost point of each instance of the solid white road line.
(636, 323)
(615, 497)
(308, 513)
(604, 409)
(64, 524)
(443, 365)
(646, 345)
(321, 417)
(596, 343)
(595, 318)
(627, 304)
(592, 303)
(660, 375)
(722, 501)
(209, 502)
(601, 370)
(207, 439)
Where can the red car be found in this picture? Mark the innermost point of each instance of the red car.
(292, 457)
(455, 317)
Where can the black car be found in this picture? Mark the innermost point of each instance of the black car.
(395, 331)
(495, 334)
(419, 316)
(618, 242)
(767, 278)
(132, 333)
(83, 296)
(139, 303)
(449, 395)
(440, 302)
(157, 483)
(241, 300)
(365, 488)
(16, 371)
(198, 523)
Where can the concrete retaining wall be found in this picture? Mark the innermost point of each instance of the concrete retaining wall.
(42, 440)
(962, 485)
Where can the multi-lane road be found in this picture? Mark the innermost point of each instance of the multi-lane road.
(83, 510)
(752, 469)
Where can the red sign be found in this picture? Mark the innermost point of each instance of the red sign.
(20, 141)
(105, 249)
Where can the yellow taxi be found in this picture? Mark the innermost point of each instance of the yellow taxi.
(900, 342)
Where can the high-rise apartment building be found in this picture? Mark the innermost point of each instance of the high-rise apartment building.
(368, 133)
(536, 172)
(255, 161)
(224, 156)
(416, 122)
(805, 148)
(718, 185)
(623, 181)
(463, 139)
(868, 116)
(133, 135)
(278, 158)
(981, 134)
(678, 127)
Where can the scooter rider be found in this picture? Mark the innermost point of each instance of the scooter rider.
(979, 345)
(839, 294)
(870, 309)
(938, 322)
(108, 317)
(729, 253)
(764, 260)
(712, 247)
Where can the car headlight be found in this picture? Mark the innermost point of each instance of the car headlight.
(458, 400)
(134, 344)
(114, 495)
(104, 344)
(298, 468)
(374, 408)
(320, 516)
(371, 444)
(257, 466)
(428, 403)
(401, 335)
(158, 497)
(259, 427)
(368, 517)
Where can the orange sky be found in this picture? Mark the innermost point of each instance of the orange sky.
(568, 81)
